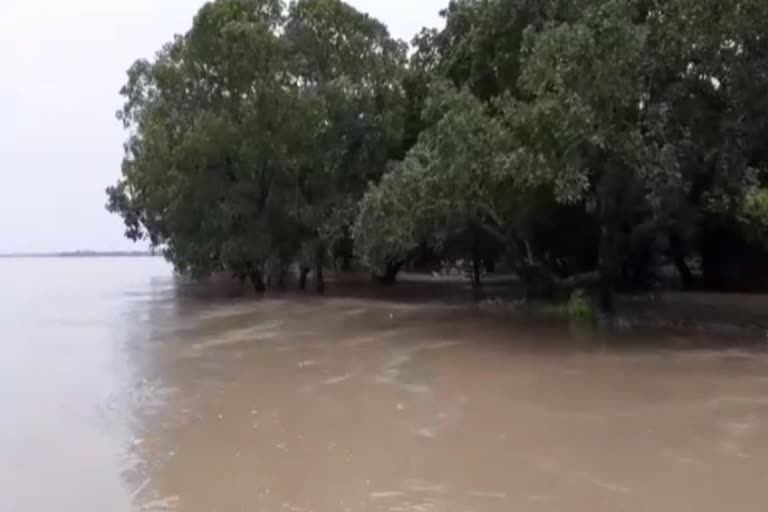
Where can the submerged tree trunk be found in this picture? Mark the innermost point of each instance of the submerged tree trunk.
(608, 295)
(677, 253)
(389, 277)
(257, 279)
(303, 275)
(686, 276)
(538, 282)
(319, 280)
(346, 263)
(319, 277)
(609, 266)
(476, 262)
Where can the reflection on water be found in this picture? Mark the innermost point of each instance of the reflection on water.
(121, 393)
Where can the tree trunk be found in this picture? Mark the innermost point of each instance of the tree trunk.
(608, 295)
(319, 278)
(346, 263)
(538, 282)
(390, 274)
(609, 266)
(678, 257)
(686, 276)
(303, 275)
(476, 262)
(257, 279)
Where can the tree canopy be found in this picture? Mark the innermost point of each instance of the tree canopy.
(561, 138)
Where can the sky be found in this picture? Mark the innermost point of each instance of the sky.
(63, 63)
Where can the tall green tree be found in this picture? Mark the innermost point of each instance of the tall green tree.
(211, 123)
(254, 134)
(349, 68)
(706, 66)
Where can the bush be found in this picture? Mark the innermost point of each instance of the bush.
(580, 307)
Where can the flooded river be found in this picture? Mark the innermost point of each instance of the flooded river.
(120, 391)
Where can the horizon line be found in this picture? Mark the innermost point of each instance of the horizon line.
(78, 253)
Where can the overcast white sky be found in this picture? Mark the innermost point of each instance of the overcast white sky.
(62, 64)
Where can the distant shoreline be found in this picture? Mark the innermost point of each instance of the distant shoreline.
(80, 254)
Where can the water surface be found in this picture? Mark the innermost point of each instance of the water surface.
(121, 390)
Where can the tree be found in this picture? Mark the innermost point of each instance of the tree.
(253, 135)
(212, 122)
(706, 64)
(348, 67)
(393, 219)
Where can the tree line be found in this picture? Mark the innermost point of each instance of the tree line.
(573, 142)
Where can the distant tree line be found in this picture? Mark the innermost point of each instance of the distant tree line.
(568, 140)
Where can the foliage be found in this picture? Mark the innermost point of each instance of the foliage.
(393, 218)
(580, 136)
(349, 69)
(253, 135)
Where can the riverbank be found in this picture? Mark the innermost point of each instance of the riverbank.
(701, 319)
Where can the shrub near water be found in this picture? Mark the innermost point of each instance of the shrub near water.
(580, 307)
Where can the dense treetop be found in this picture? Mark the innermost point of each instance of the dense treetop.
(557, 138)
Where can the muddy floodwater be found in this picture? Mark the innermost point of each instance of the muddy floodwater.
(121, 391)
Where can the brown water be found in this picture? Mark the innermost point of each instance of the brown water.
(120, 392)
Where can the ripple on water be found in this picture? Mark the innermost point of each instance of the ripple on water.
(168, 504)
(337, 380)
(263, 332)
